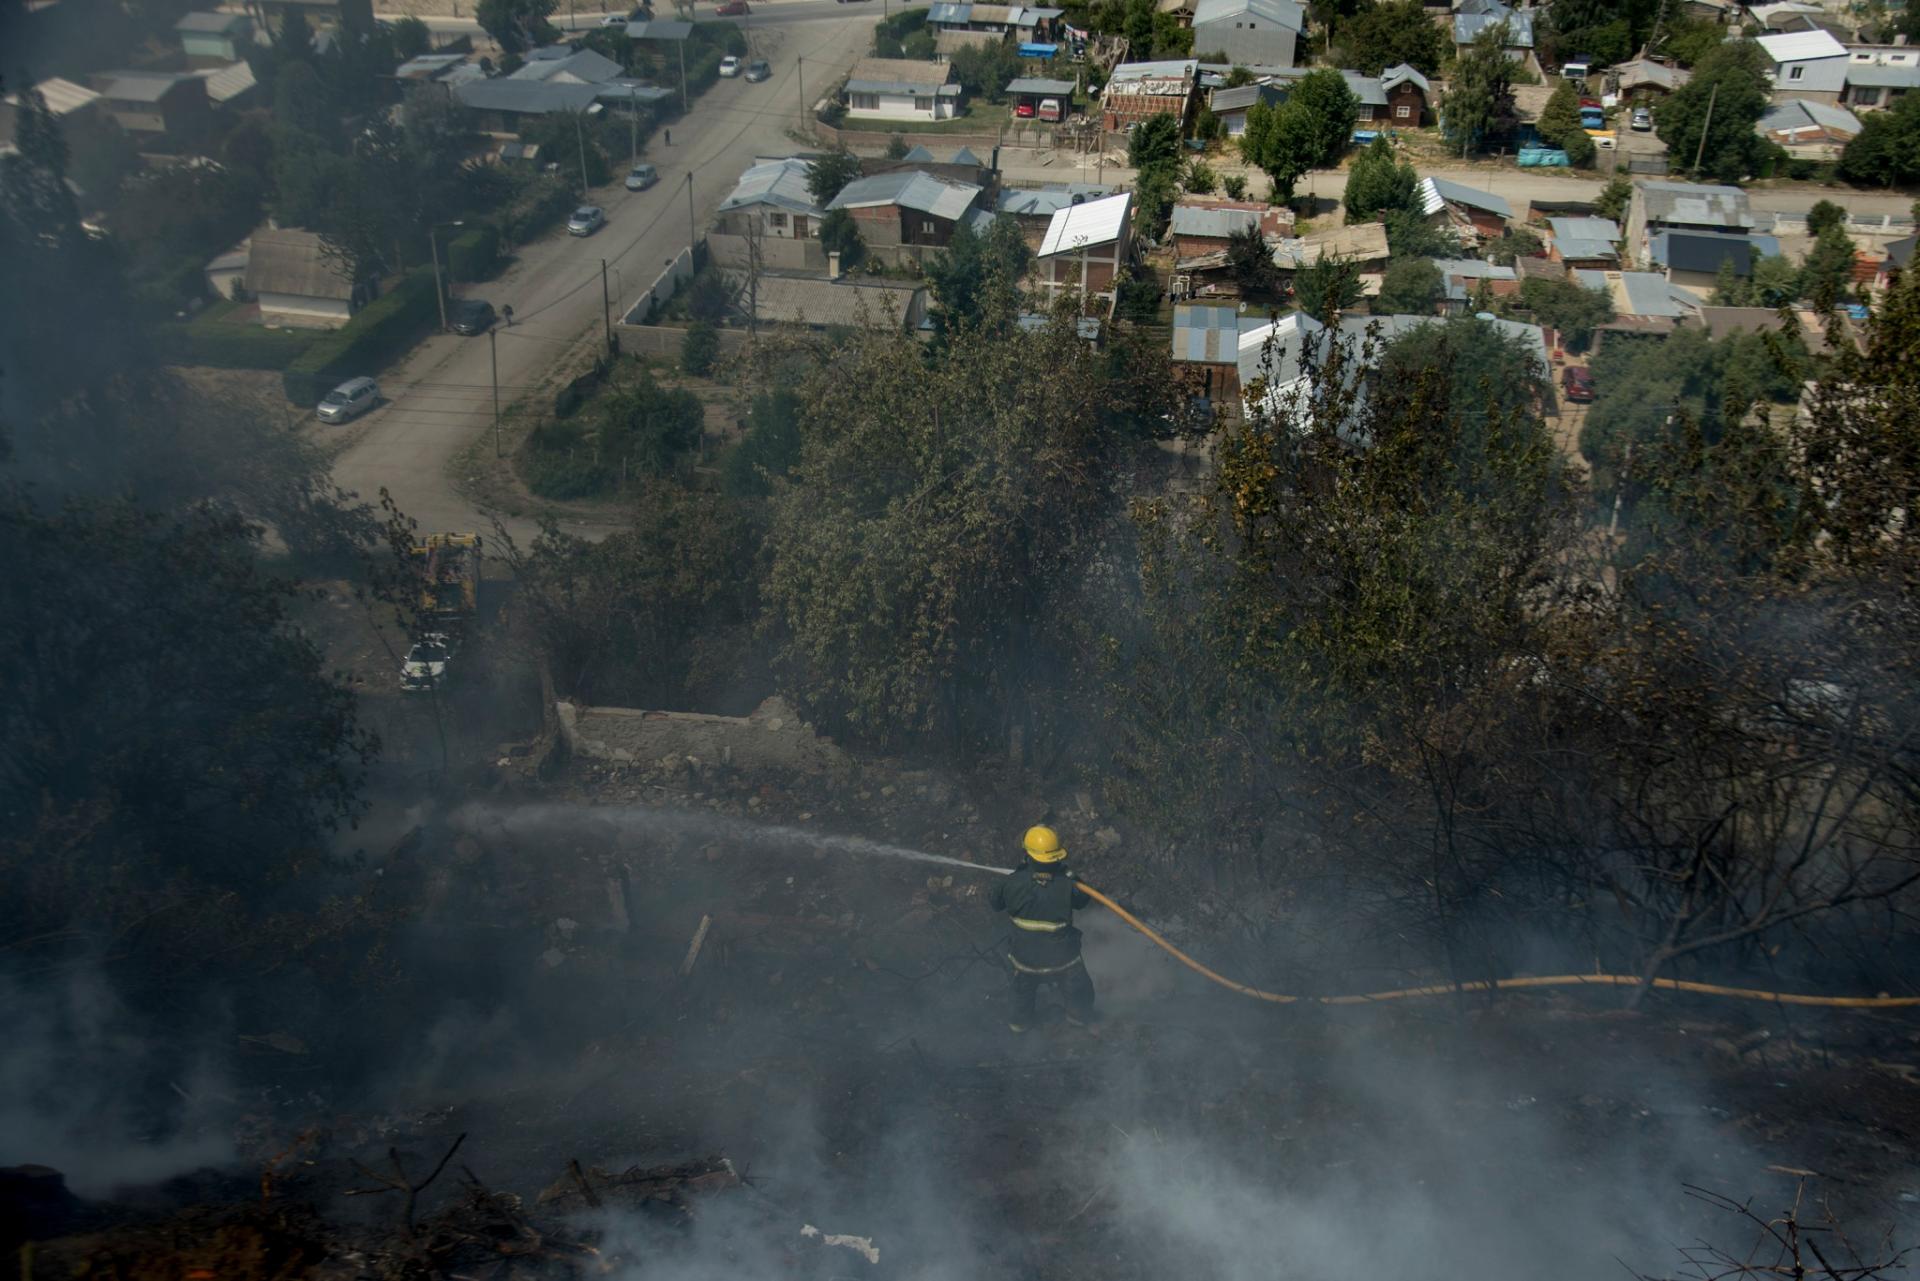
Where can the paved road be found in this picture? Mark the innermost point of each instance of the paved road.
(765, 13)
(440, 399)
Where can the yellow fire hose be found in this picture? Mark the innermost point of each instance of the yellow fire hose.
(1497, 985)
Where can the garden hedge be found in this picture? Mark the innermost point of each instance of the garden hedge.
(384, 330)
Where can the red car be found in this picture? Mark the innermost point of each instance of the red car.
(1024, 110)
(1577, 382)
(733, 9)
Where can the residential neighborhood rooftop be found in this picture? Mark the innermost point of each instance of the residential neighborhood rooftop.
(140, 86)
(903, 76)
(63, 97)
(1035, 84)
(1282, 13)
(1701, 251)
(1702, 204)
(781, 183)
(212, 23)
(288, 261)
(1437, 193)
(1801, 46)
(1197, 220)
(1035, 201)
(1093, 222)
(909, 189)
(812, 300)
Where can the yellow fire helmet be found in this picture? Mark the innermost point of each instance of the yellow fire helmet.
(1043, 845)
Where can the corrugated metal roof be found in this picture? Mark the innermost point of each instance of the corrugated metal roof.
(427, 64)
(1584, 228)
(901, 71)
(524, 97)
(919, 155)
(1438, 192)
(1647, 294)
(218, 24)
(1574, 249)
(1879, 76)
(293, 262)
(584, 67)
(1466, 26)
(1038, 201)
(1035, 84)
(1192, 220)
(1097, 222)
(1699, 204)
(1209, 334)
(964, 157)
(140, 86)
(1393, 77)
(955, 14)
(224, 84)
(63, 97)
(1283, 13)
(1643, 71)
(1167, 69)
(1801, 46)
(909, 189)
(1240, 97)
(1798, 113)
(782, 183)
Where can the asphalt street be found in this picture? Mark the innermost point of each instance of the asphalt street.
(439, 401)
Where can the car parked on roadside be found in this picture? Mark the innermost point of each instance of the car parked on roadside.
(1642, 120)
(348, 401)
(470, 316)
(758, 70)
(733, 9)
(1577, 382)
(614, 20)
(640, 177)
(586, 220)
(731, 66)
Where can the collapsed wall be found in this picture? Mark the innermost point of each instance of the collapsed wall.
(772, 737)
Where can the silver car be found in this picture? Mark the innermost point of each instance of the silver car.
(758, 70)
(640, 177)
(349, 400)
(586, 220)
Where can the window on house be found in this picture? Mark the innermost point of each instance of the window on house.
(926, 229)
(1402, 112)
(923, 104)
(1794, 73)
(864, 101)
(778, 220)
(1867, 97)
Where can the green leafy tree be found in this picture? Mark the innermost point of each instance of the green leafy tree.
(1483, 374)
(769, 448)
(1514, 243)
(1310, 129)
(1568, 306)
(699, 349)
(1155, 142)
(517, 25)
(1561, 115)
(1250, 263)
(1200, 178)
(942, 516)
(1154, 192)
(974, 281)
(640, 426)
(1825, 214)
(1614, 198)
(1379, 182)
(411, 38)
(840, 234)
(1411, 235)
(1886, 151)
(984, 70)
(1390, 33)
(829, 173)
(1688, 41)
(1734, 78)
(1478, 103)
(1411, 287)
(1328, 288)
(1826, 279)
(1235, 186)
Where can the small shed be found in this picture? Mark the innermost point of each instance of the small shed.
(214, 39)
(1031, 91)
(298, 283)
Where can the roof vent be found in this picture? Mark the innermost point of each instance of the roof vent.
(1079, 197)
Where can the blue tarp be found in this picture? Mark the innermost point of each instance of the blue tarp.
(1542, 157)
(1038, 50)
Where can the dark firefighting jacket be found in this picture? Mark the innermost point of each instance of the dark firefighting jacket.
(1039, 902)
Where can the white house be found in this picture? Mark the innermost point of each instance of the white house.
(1877, 74)
(1085, 247)
(1251, 33)
(1806, 64)
(901, 89)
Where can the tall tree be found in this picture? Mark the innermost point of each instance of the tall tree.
(829, 173)
(1390, 33)
(1310, 129)
(1411, 287)
(1478, 103)
(517, 25)
(1733, 81)
(974, 281)
(1379, 182)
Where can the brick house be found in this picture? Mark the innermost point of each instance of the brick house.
(907, 207)
(1141, 90)
(1086, 246)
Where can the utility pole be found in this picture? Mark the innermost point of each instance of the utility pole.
(800, 72)
(493, 355)
(1701, 150)
(606, 306)
(439, 293)
(580, 136)
(633, 125)
(681, 46)
(693, 239)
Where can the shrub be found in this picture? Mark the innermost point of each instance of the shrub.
(474, 254)
(385, 328)
(699, 349)
(1235, 185)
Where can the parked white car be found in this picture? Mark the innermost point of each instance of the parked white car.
(425, 667)
(348, 401)
(586, 220)
(730, 66)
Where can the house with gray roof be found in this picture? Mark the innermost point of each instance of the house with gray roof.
(1407, 93)
(75, 106)
(299, 285)
(1807, 129)
(214, 39)
(1879, 74)
(1584, 242)
(1805, 64)
(156, 103)
(907, 207)
(560, 64)
(1644, 80)
(1658, 206)
(901, 89)
(1249, 32)
(1471, 214)
(1471, 17)
(1230, 106)
(771, 199)
(1032, 207)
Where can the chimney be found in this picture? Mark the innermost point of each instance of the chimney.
(833, 265)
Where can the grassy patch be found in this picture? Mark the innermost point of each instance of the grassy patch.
(227, 335)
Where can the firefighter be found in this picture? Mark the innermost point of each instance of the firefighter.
(1042, 945)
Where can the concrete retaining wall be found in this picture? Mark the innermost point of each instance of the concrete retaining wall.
(776, 254)
(664, 286)
(663, 340)
(773, 737)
